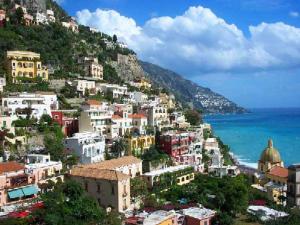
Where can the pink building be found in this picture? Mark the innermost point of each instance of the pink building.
(16, 185)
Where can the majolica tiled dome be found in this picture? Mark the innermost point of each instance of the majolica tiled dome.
(270, 154)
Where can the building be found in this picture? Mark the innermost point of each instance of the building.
(50, 16)
(6, 123)
(92, 68)
(198, 216)
(109, 181)
(158, 179)
(293, 185)
(141, 84)
(43, 169)
(161, 217)
(28, 19)
(139, 97)
(89, 147)
(83, 86)
(30, 104)
(25, 65)
(67, 120)
(110, 188)
(269, 158)
(278, 175)
(158, 116)
(265, 213)
(128, 165)
(123, 122)
(16, 186)
(175, 144)
(41, 18)
(137, 145)
(99, 121)
(2, 17)
(139, 123)
(177, 119)
(117, 91)
(71, 25)
(2, 83)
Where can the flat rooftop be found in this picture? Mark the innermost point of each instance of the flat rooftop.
(167, 170)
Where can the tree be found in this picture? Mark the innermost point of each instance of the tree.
(19, 15)
(119, 148)
(193, 117)
(68, 204)
(138, 188)
(115, 38)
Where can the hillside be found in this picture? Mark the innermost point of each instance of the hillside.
(61, 48)
(188, 92)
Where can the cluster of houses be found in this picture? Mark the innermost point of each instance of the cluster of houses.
(93, 128)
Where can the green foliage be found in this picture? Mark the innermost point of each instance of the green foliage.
(68, 204)
(68, 91)
(227, 194)
(155, 157)
(110, 75)
(138, 188)
(193, 117)
(119, 148)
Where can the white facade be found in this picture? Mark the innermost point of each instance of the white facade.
(139, 97)
(2, 83)
(82, 85)
(88, 146)
(97, 121)
(117, 90)
(38, 103)
(92, 68)
(50, 16)
(41, 18)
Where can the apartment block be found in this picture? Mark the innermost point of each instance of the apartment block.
(24, 64)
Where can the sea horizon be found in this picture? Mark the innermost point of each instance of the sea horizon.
(247, 134)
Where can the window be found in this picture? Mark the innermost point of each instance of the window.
(112, 189)
(205, 223)
(98, 188)
(86, 186)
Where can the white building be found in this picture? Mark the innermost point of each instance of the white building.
(36, 104)
(139, 97)
(116, 90)
(139, 123)
(50, 16)
(43, 168)
(71, 25)
(41, 18)
(99, 121)
(265, 213)
(2, 83)
(83, 85)
(88, 146)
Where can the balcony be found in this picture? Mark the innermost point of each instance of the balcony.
(19, 181)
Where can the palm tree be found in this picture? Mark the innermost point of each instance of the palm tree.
(4, 134)
(119, 148)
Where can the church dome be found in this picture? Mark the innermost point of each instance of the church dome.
(270, 154)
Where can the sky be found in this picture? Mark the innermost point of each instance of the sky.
(246, 50)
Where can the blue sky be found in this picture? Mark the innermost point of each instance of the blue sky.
(247, 50)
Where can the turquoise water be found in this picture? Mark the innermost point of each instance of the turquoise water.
(247, 134)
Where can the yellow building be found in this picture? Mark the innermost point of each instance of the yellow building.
(269, 158)
(24, 64)
(137, 145)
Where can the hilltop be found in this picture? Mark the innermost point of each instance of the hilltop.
(61, 48)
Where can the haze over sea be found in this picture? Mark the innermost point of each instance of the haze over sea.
(247, 134)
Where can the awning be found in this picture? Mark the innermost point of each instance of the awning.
(30, 190)
(18, 193)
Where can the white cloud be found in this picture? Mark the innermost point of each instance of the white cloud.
(199, 41)
(294, 14)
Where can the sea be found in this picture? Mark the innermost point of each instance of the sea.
(248, 134)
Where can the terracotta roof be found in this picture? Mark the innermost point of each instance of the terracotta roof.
(137, 116)
(10, 167)
(81, 171)
(114, 163)
(279, 171)
(93, 102)
(116, 117)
